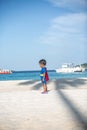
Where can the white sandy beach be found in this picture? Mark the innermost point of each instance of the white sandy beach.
(23, 107)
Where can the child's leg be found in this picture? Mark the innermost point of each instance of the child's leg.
(45, 87)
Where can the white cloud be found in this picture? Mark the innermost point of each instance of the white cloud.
(72, 4)
(66, 29)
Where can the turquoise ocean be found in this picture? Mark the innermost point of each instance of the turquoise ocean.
(34, 75)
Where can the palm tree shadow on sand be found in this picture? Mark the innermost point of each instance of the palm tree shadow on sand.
(69, 83)
(36, 84)
(62, 84)
(75, 113)
(58, 84)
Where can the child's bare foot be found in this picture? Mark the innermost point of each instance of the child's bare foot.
(44, 92)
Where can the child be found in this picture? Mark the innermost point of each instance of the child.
(43, 74)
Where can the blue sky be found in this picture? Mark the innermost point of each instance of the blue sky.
(34, 29)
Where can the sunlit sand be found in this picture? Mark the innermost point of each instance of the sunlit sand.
(23, 107)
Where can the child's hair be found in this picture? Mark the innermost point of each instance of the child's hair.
(42, 61)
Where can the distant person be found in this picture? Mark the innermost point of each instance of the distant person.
(44, 74)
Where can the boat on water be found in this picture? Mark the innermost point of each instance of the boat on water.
(69, 68)
(2, 71)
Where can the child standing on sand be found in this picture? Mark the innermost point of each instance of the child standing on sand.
(43, 74)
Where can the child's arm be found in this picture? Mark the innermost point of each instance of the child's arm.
(44, 76)
(44, 73)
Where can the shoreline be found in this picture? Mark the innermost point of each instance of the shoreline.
(39, 79)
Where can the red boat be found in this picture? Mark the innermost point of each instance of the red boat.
(5, 71)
